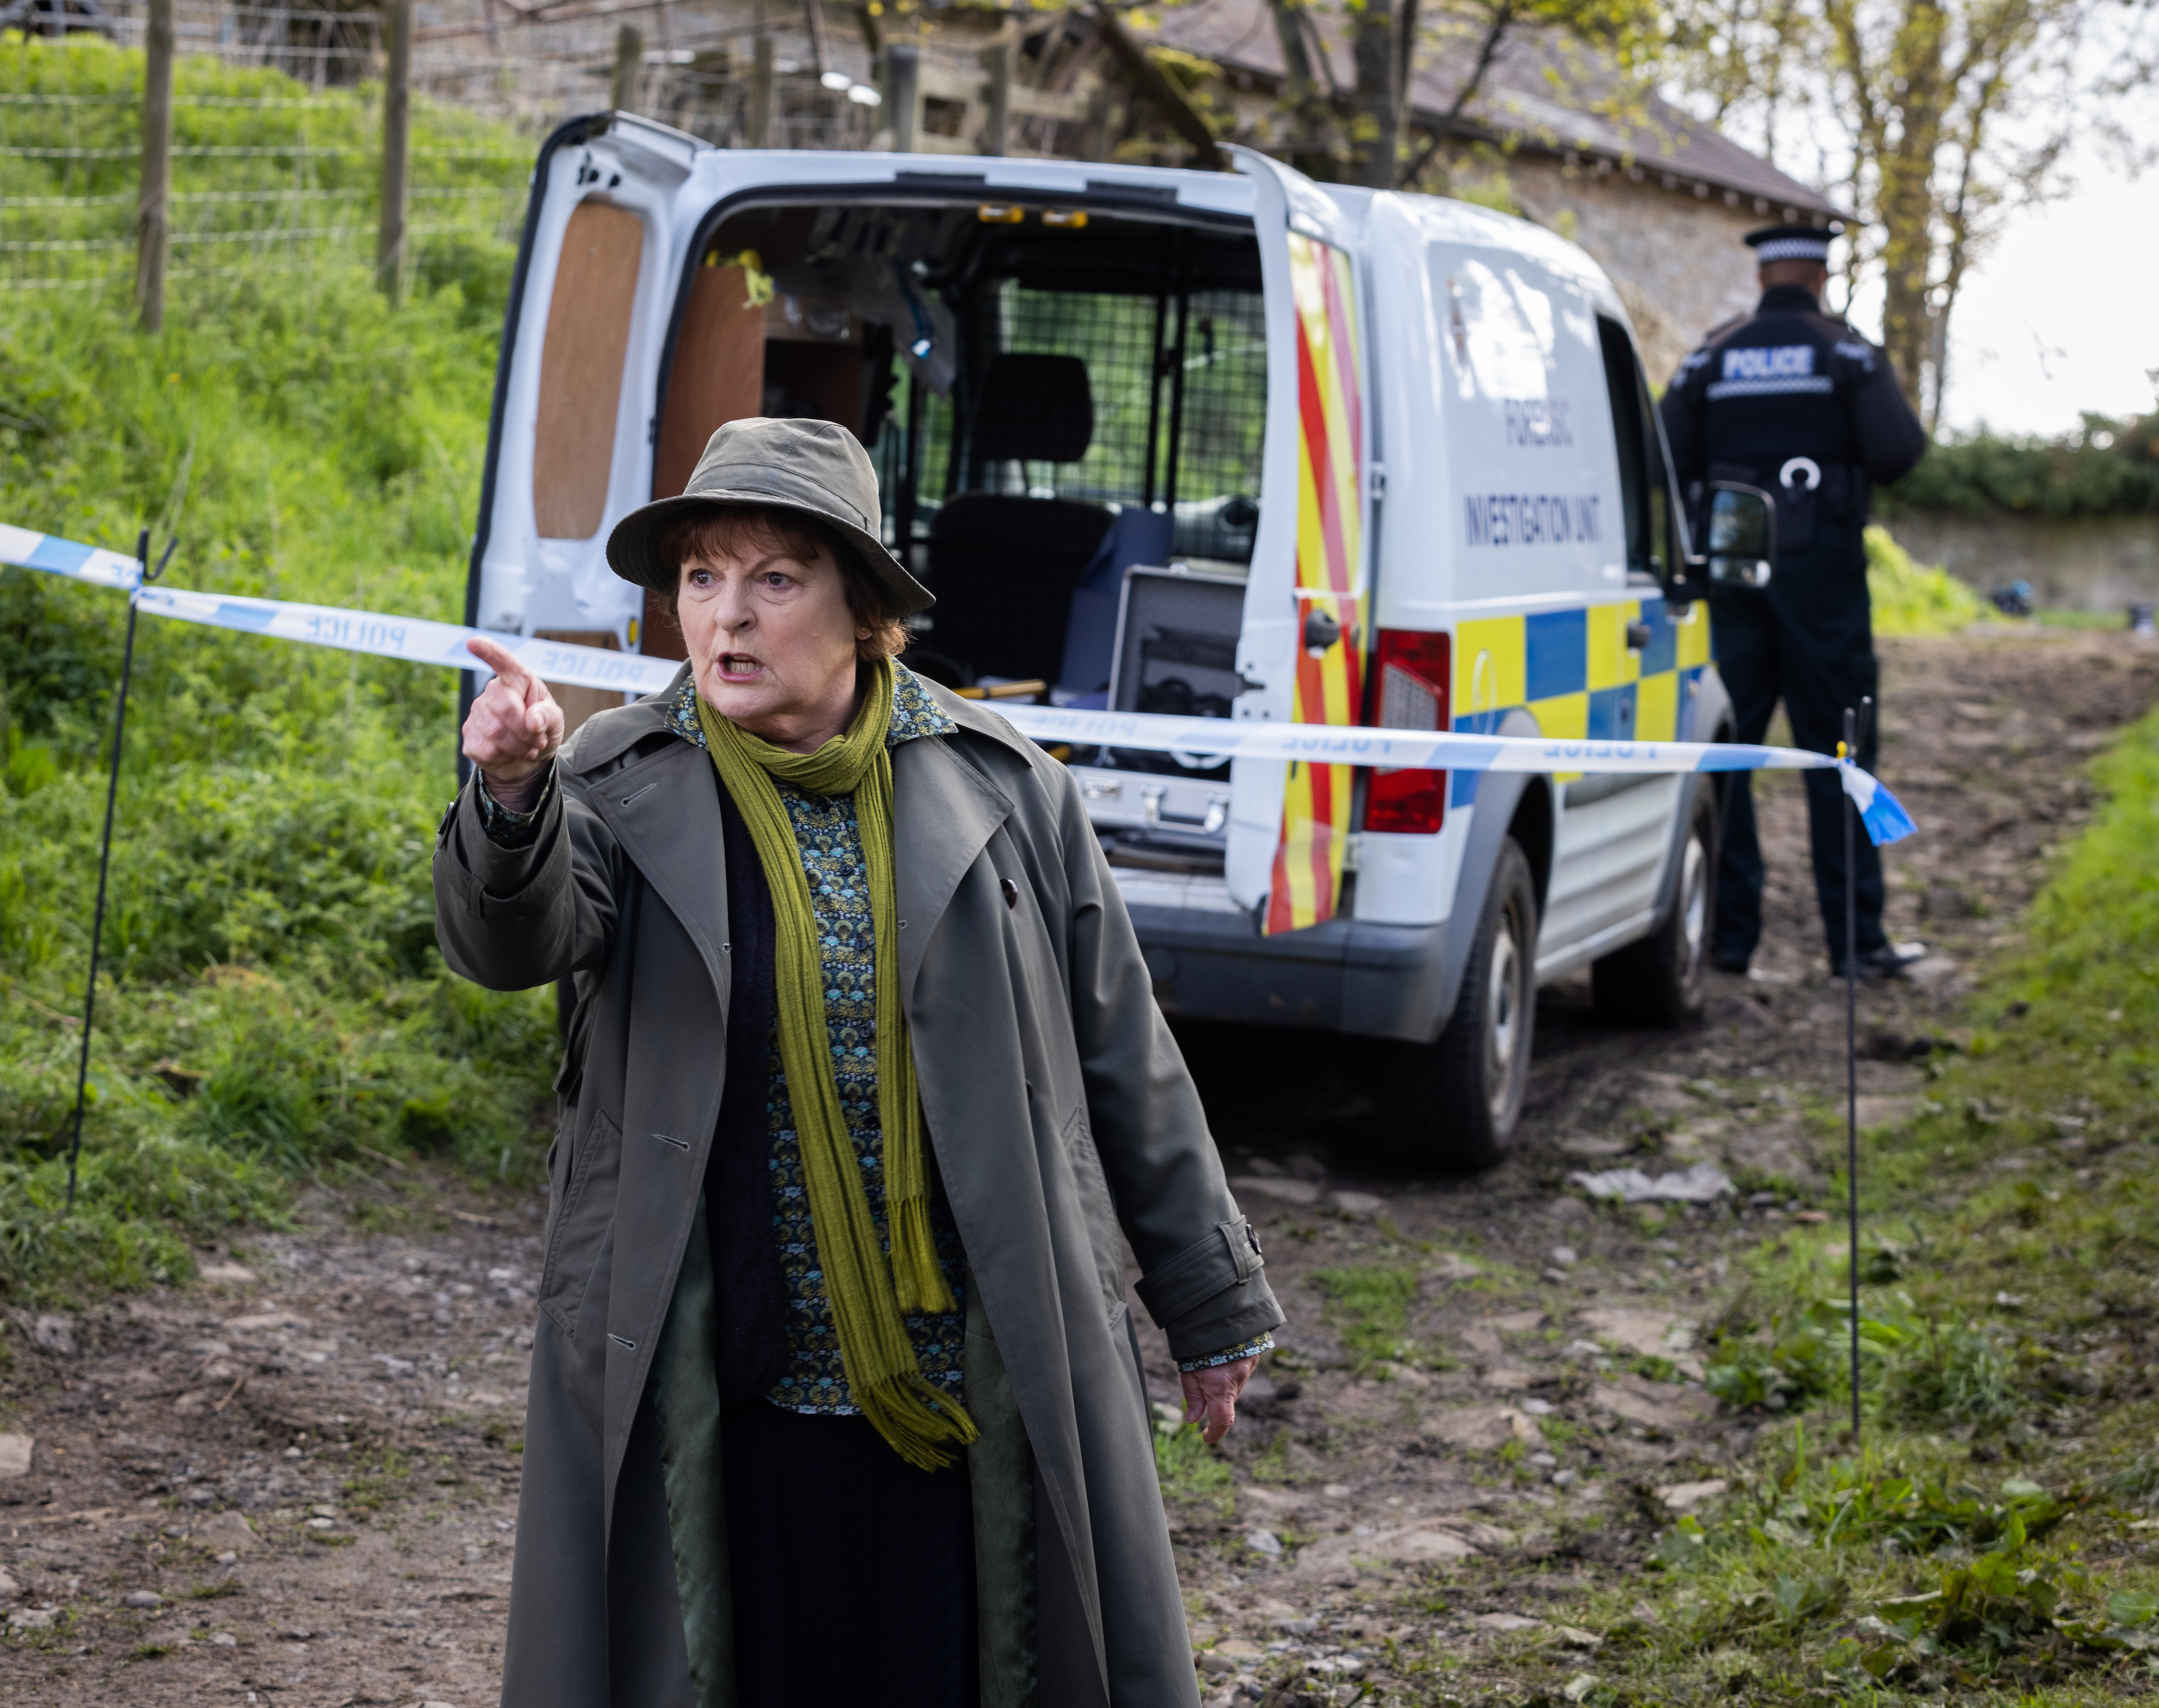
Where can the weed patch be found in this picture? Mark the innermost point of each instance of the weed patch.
(1190, 1472)
(1368, 1305)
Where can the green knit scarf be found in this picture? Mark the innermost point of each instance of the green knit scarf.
(870, 1296)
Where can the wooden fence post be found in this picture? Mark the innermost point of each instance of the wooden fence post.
(397, 147)
(154, 200)
(903, 65)
(760, 92)
(996, 127)
(628, 68)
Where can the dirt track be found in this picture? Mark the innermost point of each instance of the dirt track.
(313, 1465)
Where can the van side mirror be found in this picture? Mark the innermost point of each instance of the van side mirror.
(1743, 535)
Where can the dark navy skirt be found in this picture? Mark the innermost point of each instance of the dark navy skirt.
(853, 1573)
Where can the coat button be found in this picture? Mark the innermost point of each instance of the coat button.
(1011, 890)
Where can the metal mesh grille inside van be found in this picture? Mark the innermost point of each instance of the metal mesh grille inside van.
(1178, 386)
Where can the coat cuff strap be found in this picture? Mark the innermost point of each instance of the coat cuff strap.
(1227, 1256)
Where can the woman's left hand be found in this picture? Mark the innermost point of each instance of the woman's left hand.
(1210, 1396)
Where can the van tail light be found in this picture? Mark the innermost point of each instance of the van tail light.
(1409, 691)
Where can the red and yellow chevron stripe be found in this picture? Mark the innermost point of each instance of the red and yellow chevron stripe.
(1330, 577)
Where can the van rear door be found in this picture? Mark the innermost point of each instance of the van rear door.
(568, 446)
(1306, 632)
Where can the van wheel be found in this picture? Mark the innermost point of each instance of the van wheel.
(1456, 1101)
(1657, 981)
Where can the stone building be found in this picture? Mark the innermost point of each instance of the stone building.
(1551, 133)
(1659, 199)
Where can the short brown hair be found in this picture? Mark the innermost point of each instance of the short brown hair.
(729, 529)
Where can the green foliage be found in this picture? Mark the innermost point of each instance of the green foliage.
(2109, 467)
(271, 1000)
(1912, 599)
(1368, 1305)
(1798, 1355)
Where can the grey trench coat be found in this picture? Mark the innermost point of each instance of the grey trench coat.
(1059, 1111)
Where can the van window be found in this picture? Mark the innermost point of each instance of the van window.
(580, 365)
(1052, 396)
(1644, 493)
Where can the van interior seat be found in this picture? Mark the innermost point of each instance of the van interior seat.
(1003, 567)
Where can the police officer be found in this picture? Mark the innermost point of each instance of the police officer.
(1791, 399)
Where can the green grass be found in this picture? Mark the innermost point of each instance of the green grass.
(1368, 1305)
(1981, 1545)
(271, 1000)
(1191, 1472)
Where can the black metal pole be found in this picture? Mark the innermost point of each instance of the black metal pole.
(1850, 747)
(105, 853)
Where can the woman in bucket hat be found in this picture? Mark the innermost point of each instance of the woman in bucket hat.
(836, 1393)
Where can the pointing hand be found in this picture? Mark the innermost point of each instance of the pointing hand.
(513, 728)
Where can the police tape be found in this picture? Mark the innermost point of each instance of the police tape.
(57, 556)
(1211, 740)
(1205, 741)
(412, 638)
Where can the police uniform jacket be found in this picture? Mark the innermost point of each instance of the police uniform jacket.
(1786, 382)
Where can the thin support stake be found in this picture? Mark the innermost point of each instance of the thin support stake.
(1849, 749)
(105, 855)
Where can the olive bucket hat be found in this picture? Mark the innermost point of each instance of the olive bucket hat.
(816, 468)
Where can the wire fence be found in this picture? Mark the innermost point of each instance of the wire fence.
(269, 174)
(277, 111)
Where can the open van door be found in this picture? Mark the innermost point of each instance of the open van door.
(1306, 634)
(569, 446)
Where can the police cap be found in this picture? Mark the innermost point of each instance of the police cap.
(1793, 242)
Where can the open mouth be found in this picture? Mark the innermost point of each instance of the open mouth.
(739, 667)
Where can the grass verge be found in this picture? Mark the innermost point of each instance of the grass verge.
(1994, 1538)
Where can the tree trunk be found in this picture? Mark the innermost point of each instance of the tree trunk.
(1305, 102)
(996, 98)
(1377, 120)
(1906, 201)
(628, 69)
(1406, 47)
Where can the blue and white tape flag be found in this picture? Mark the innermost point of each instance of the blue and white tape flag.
(1879, 811)
(418, 641)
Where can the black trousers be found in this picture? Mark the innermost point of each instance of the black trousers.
(1807, 639)
(853, 1573)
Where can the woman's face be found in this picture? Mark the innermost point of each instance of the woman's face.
(772, 641)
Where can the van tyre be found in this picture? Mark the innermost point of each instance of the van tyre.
(1658, 981)
(1457, 1101)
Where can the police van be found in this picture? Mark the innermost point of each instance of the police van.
(1230, 444)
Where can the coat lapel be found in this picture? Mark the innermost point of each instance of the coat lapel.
(943, 812)
(664, 810)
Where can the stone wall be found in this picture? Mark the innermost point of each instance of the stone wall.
(2100, 564)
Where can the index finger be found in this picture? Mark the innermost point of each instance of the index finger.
(504, 663)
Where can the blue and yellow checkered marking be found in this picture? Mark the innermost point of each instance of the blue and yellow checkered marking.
(1571, 670)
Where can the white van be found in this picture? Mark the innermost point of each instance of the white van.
(1232, 444)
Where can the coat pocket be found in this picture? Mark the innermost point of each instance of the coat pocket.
(582, 1223)
(1098, 1206)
